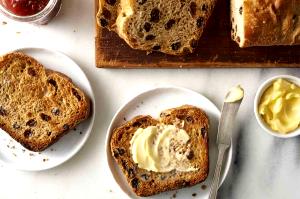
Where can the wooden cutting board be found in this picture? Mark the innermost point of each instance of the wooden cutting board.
(216, 49)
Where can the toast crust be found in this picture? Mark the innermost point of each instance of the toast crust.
(146, 183)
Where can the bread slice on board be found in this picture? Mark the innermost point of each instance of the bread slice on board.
(265, 22)
(146, 183)
(108, 13)
(37, 106)
(172, 27)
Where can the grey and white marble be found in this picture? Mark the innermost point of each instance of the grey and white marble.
(262, 167)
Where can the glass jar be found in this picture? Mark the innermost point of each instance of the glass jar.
(42, 17)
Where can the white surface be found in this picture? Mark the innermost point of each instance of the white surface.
(260, 91)
(15, 155)
(152, 102)
(263, 166)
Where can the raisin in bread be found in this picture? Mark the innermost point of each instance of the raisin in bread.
(146, 183)
(265, 22)
(37, 106)
(108, 13)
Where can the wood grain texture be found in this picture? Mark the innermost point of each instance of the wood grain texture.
(216, 49)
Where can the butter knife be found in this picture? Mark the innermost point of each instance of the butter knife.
(226, 125)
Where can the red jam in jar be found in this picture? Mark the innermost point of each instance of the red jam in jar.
(25, 7)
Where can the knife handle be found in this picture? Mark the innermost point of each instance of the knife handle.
(215, 182)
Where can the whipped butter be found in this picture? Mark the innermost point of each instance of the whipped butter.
(279, 106)
(161, 148)
(235, 94)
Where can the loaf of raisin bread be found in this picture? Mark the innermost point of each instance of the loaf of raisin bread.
(265, 22)
(172, 27)
(37, 106)
(145, 183)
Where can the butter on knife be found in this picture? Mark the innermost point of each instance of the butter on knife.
(235, 94)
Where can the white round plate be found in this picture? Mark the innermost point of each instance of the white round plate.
(15, 155)
(152, 102)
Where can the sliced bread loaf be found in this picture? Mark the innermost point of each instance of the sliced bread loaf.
(37, 106)
(173, 27)
(265, 23)
(146, 183)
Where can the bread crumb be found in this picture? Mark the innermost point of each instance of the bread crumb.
(74, 129)
(51, 149)
(31, 154)
(194, 194)
(203, 187)
(23, 150)
(4, 22)
(15, 154)
(10, 147)
(74, 30)
(45, 159)
(124, 118)
(215, 57)
(18, 32)
(110, 191)
(80, 133)
(174, 195)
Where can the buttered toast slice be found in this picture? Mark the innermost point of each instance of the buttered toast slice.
(147, 182)
(37, 106)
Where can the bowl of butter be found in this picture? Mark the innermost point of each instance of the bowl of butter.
(277, 106)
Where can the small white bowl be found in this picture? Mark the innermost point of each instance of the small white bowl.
(260, 92)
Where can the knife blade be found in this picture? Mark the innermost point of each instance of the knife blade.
(225, 129)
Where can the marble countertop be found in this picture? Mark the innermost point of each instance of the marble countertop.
(263, 166)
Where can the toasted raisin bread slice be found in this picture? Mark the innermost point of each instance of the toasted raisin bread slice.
(108, 13)
(146, 183)
(172, 27)
(37, 106)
